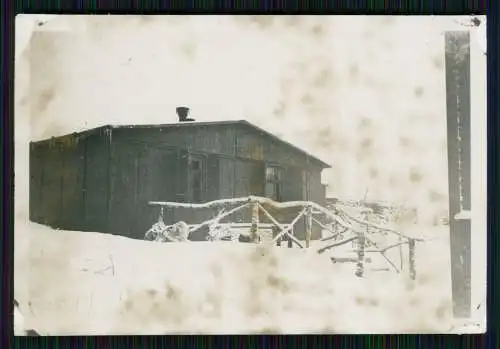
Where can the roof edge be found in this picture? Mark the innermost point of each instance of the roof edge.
(247, 123)
(83, 133)
(316, 159)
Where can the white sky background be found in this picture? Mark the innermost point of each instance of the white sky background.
(365, 94)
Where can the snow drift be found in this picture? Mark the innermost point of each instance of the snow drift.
(72, 283)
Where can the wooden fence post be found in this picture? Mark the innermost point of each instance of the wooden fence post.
(289, 239)
(361, 243)
(275, 233)
(361, 255)
(254, 229)
(308, 226)
(411, 244)
(160, 217)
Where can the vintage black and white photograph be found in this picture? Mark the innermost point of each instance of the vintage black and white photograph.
(273, 174)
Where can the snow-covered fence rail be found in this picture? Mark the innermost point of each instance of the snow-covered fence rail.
(359, 230)
(256, 203)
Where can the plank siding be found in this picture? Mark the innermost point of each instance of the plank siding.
(292, 191)
(316, 187)
(182, 176)
(249, 178)
(317, 194)
(292, 184)
(156, 177)
(204, 139)
(124, 178)
(51, 186)
(250, 146)
(35, 163)
(254, 146)
(96, 183)
(226, 178)
(212, 178)
(72, 185)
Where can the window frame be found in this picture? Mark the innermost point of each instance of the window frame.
(202, 159)
(277, 183)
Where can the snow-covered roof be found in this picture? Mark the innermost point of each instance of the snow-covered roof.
(206, 123)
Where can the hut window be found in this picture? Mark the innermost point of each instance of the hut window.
(196, 169)
(274, 183)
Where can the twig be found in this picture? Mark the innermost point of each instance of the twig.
(335, 234)
(343, 260)
(343, 242)
(112, 264)
(386, 248)
(383, 255)
(376, 226)
(379, 269)
(337, 218)
(101, 272)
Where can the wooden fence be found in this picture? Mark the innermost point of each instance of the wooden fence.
(342, 228)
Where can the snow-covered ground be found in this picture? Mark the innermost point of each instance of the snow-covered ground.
(90, 283)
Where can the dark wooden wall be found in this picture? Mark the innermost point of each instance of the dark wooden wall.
(317, 190)
(227, 178)
(69, 182)
(36, 180)
(206, 139)
(140, 173)
(103, 181)
(227, 141)
(235, 159)
(180, 143)
(146, 170)
(97, 185)
(74, 162)
(255, 146)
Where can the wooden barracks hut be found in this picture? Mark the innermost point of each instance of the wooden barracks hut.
(102, 179)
